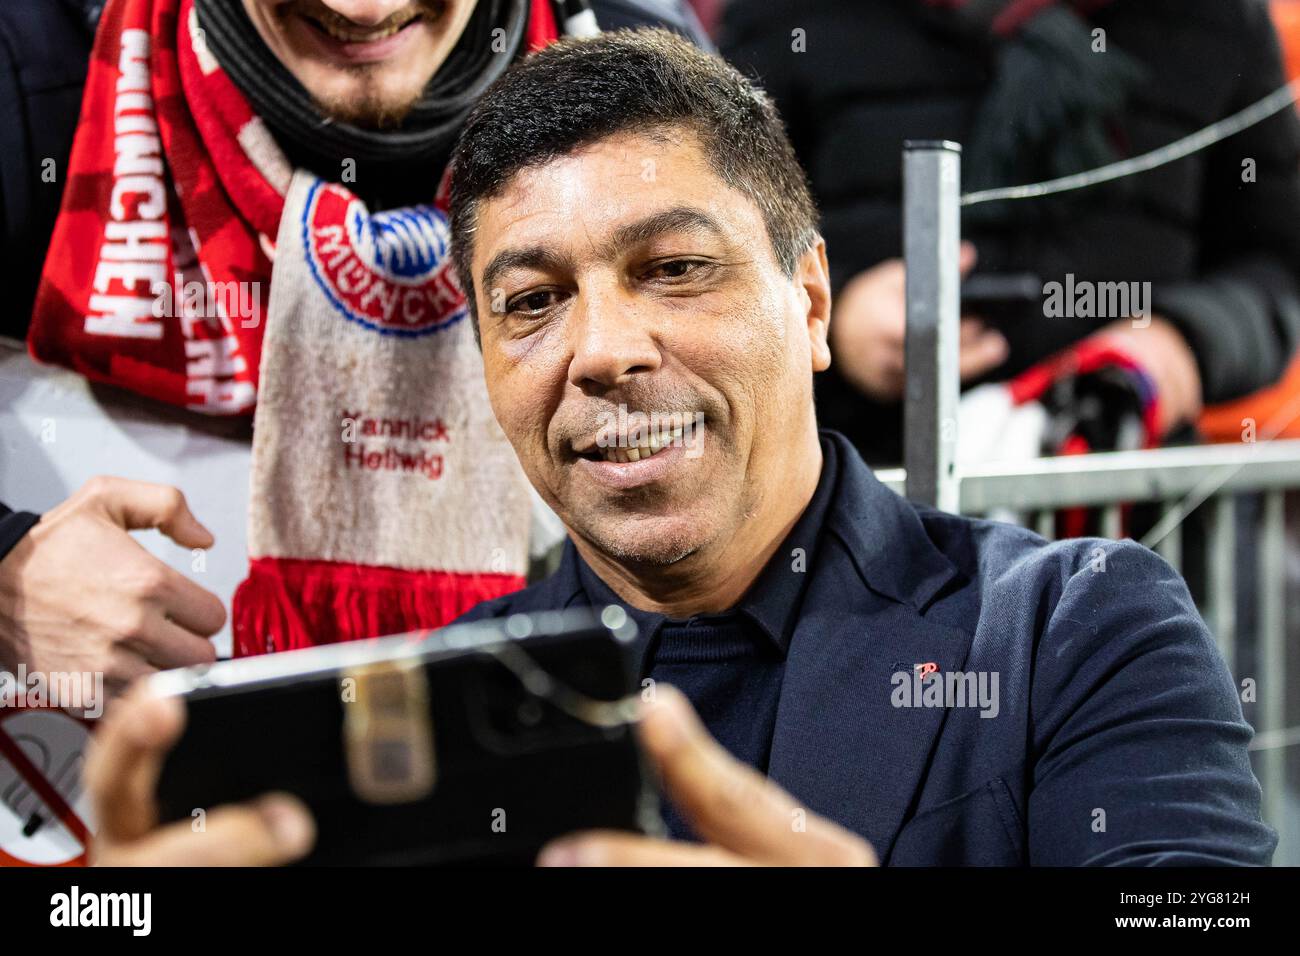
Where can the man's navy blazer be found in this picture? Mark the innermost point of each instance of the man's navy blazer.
(1118, 736)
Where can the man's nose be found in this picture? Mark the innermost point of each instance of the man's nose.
(367, 13)
(611, 341)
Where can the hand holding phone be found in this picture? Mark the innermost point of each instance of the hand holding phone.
(478, 743)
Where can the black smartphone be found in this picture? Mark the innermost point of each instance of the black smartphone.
(473, 744)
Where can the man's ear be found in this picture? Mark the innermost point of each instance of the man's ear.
(812, 274)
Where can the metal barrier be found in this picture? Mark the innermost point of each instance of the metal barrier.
(1179, 480)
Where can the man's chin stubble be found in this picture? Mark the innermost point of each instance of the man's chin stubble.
(377, 117)
(371, 110)
(658, 554)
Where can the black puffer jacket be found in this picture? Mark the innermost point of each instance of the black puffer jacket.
(44, 51)
(1223, 255)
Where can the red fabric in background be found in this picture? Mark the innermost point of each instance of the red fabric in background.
(118, 182)
(348, 602)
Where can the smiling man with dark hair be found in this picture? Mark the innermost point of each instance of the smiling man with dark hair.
(640, 240)
(873, 680)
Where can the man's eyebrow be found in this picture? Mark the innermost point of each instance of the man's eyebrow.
(676, 219)
(533, 257)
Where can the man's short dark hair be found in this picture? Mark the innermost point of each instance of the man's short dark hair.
(577, 92)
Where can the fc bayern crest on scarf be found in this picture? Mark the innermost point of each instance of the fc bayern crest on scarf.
(389, 272)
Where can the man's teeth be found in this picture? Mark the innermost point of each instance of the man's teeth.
(646, 446)
(358, 35)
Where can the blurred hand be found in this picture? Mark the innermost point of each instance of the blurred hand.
(1165, 355)
(744, 818)
(121, 777)
(869, 325)
(79, 594)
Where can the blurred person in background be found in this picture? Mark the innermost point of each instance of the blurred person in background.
(1034, 91)
(202, 126)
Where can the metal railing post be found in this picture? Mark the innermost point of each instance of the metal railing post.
(931, 241)
(1271, 651)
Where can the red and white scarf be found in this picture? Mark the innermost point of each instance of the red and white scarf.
(191, 264)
